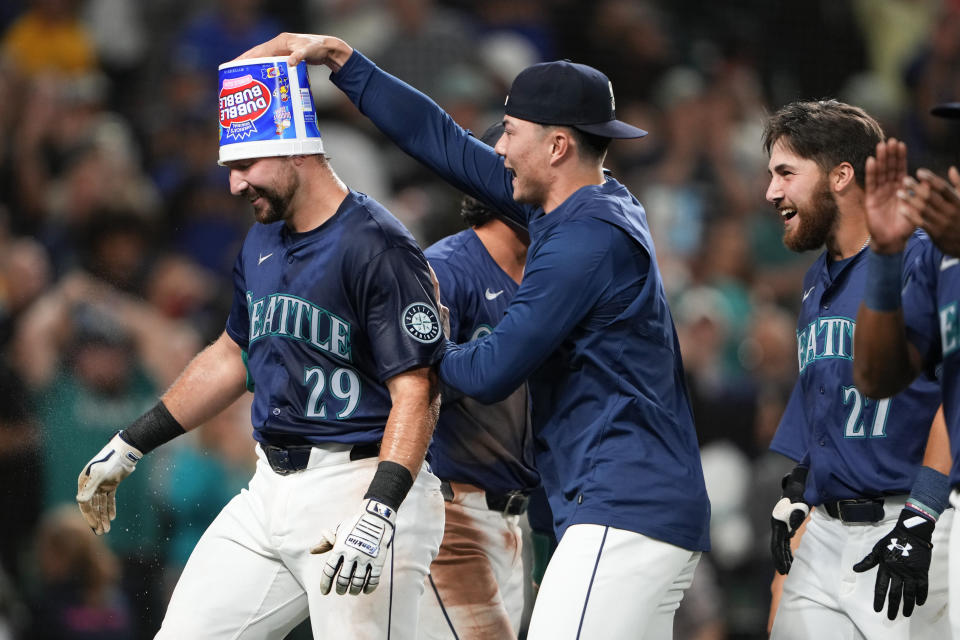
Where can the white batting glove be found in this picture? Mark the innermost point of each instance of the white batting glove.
(360, 546)
(97, 484)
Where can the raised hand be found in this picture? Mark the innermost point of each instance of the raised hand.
(313, 49)
(883, 177)
(933, 204)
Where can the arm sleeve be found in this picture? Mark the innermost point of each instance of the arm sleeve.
(919, 296)
(450, 294)
(396, 305)
(238, 322)
(558, 289)
(793, 433)
(423, 130)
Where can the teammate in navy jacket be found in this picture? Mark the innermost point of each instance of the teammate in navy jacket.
(589, 328)
(858, 459)
(334, 317)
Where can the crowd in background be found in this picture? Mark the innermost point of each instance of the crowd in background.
(118, 235)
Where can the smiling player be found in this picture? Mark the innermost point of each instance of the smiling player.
(860, 461)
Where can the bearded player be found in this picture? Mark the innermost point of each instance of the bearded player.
(334, 317)
(860, 461)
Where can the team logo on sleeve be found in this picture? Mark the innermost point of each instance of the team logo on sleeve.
(421, 322)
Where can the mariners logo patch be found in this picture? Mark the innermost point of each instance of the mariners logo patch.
(421, 322)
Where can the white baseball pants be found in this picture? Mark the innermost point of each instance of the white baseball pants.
(824, 598)
(252, 576)
(954, 567)
(475, 587)
(613, 584)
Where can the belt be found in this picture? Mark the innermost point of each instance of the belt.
(858, 510)
(511, 503)
(287, 460)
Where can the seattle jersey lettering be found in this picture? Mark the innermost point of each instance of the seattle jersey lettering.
(285, 316)
(825, 338)
(949, 329)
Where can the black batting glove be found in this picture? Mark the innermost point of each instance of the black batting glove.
(902, 558)
(788, 514)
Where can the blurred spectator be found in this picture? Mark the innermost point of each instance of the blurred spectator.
(893, 30)
(78, 595)
(429, 40)
(20, 478)
(723, 405)
(24, 275)
(180, 289)
(206, 469)
(74, 157)
(933, 76)
(94, 360)
(529, 20)
(49, 37)
(221, 34)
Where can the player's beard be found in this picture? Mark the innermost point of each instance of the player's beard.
(277, 200)
(816, 220)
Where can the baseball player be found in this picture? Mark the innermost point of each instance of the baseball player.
(905, 332)
(334, 317)
(860, 460)
(589, 328)
(483, 454)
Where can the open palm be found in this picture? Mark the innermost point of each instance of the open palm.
(883, 177)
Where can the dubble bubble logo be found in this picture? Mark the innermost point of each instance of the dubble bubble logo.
(242, 101)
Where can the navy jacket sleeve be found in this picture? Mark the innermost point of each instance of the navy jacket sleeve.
(557, 291)
(793, 433)
(422, 129)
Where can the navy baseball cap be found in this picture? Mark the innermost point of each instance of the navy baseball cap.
(569, 94)
(947, 110)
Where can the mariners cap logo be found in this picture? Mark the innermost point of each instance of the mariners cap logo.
(421, 322)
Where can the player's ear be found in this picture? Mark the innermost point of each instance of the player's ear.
(560, 144)
(842, 176)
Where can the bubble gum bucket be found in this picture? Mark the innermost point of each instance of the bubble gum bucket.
(266, 110)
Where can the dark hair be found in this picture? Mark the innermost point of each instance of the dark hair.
(591, 146)
(826, 131)
(474, 212)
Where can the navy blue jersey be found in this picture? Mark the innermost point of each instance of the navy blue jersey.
(931, 307)
(490, 446)
(855, 446)
(326, 317)
(589, 327)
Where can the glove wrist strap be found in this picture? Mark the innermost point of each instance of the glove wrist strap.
(390, 484)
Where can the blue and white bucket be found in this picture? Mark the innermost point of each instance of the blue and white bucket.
(266, 110)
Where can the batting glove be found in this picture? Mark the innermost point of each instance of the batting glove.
(97, 484)
(788, 514)
(358, 554)
(902, 558)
